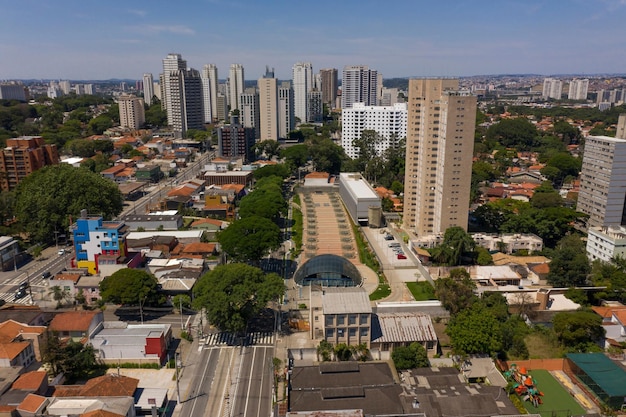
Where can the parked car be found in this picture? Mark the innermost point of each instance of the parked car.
(388, 237)
(394, 245)
(46, 275)
(24, 285)
(401, 256)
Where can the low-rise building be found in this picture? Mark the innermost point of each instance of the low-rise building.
(153, 221)
(134, 343)
(359, 197)
(402, 329)
(76, 325)
(606, 242)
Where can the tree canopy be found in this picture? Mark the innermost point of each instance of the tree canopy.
(475, 330)
(47, 198)
(249, 239)
(232, 294)
(409, 357)
(130, 287)
(579, 331)
(518, 132)
(570, 265)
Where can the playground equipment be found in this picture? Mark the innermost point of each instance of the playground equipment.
(524, 385)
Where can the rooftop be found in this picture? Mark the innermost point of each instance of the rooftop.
(344, 300)
(72, 321)
(405, 327)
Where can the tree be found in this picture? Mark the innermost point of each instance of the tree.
(47, 198)
(326, 156)
(518, 132)
(579, 331)
(570, 265)
(232, 294)
(295, 156)
(269, 148)
(130, 287)
(397, 187)
(456, 243)
(278, 170)
(155, 115)
(73, 359)
(249, 239)
(474, 330)
(181, 300)
(456, 292)
(409, 357)
(59, 294)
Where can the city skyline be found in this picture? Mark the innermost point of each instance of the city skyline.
(76, 40)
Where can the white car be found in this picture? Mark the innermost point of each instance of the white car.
(61, 252)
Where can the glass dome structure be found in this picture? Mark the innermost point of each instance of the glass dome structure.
(328, 271)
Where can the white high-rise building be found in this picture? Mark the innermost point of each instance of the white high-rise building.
(603, 181)
(388, 121)
(359, 85)
(620, 129)
(286, 117)
(439, 148)
(132, 113)
(235, 85)
(249, 115)
(209, 92)
(172, 63)
(148, 88)
(302, 83)
(552, 88)
(578, 89)
(65, 86)
(89, 89)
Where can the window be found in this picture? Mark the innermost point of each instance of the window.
(341, 319)
(352, 319)
(352, 332)
(364, 318)
(329, 321)
(330, 333)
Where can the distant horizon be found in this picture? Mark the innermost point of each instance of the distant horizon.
(79, 40)
(114, 79)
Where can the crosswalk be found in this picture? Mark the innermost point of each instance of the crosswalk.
(231, 339)
(9, 297)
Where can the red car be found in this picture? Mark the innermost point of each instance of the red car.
(401, 256)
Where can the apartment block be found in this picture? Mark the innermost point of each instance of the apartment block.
(23, 156)
(132, 112)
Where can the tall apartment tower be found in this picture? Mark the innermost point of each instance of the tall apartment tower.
(249, 110)
(148, 88)
(209, 92)
(552, 88)
(603, 181)
(578, 89)
(23, 156)
(236, 85)
(268, 106)
(439, 147)
(65, 86)
(172, 63)
(359, 85)
(286, 116)
(234, 140)
(620, 131)
(185, 100)
(302, 83)
(132, 113)
(330, 84)
(314, 107)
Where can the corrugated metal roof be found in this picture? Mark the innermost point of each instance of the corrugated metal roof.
(406, 327)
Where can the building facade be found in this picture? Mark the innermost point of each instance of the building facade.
(185, 107)
(235, 85)
(578, 89)
(249, 110)
(268, 107)
(12, 91)
(606, 243)
(235, 141)
(148, 88)
(359, 85)
(302, 83)
(439, 149)
(330, 85)
(603, 181)
(132, 112)
(286, 115)
(172, 63)
(389, 122)
(95, 238)
(209, 92)
(23, 156)
(552, 88)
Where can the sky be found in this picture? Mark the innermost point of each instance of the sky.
(103, 39)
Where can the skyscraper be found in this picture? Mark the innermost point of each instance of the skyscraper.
(286, 117)
(148, 88)
(439, 147)
(578, 89)
(358, 85)
(185, 105)
(603, 181)
(132, 113)
(552, 88)
(302, 84)
(330, 84)
(268, 106)
(249, 110)
(235, 85)
(173, 62)
(209, 92)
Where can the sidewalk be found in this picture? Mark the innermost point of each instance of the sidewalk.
(189, 355)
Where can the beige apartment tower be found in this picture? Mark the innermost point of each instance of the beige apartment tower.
(132, 113)
(268, 108)
(439, 149)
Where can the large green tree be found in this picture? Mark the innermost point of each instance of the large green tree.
(579, 331)
(232, 294)
(409, 357)
(570, 266)
(456, 292)
(475, 330)
(130, 287)
(249, 239)
(75, 360)
(518, 132)
(47, 198)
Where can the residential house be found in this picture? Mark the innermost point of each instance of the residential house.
(89, 285)
(67, 283)
(134, 343)
(613, 322)
(76, 325)
(14, 331)
(91, 407)
(35, 382)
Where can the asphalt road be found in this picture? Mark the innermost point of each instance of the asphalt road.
(253, 393)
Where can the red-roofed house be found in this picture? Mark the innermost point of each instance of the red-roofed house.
(109, 385)
(11, 331)
(77, 325)
(614, 324)
(35, 381)
(32, 405)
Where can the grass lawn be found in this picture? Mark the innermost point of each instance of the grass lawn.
(540, 346)
(422, 291)
(381, 292)
(555, 399)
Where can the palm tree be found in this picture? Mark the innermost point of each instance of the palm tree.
(58, 294)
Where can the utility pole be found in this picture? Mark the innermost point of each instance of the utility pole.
(180, 299)
(177, 379)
